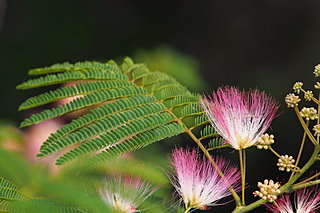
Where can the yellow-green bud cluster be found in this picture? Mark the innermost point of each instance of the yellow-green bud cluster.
(317, 70)
(285, 163)
(297, 87)
(292, 100)
(316, 130)
(308, 95)
(317, 85)
(268, 190)
(264, 141)
(309, 113)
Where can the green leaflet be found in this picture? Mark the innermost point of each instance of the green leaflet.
(4, 206)
(183, 100)
(201, 120)
(207, 132)
(82, 102)
(71, 91)
(8, 191)
(74, 192)
(105, 126)
(79, 66)
(121, 135)
(38, 205)
(133, 107)
(64, 77)
(191, 110)
(139, 141)
(217, 143)
(98, 114)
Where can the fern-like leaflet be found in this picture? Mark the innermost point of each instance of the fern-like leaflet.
(131, 107)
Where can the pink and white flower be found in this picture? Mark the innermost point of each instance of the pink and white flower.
(197, 182)
(125, 194)
(240, 117)
(306, 201)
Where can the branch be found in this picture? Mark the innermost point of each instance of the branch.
(304, 185)
(305, 127)
(285, 188)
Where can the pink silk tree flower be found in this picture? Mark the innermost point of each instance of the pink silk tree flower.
(125, 194)
(196, 180)
(306, 201)
(284, 205)
(239, 117)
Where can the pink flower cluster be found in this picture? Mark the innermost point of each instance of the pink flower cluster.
(239, 117)
(197, 182)
(306, 201)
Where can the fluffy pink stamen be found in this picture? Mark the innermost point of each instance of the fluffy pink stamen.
(197, 182)
(284, 205)
(126, 193)
(239, 117)
(306, 201)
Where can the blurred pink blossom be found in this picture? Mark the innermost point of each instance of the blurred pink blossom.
(125, 194)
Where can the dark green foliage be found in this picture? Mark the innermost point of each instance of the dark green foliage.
(53, 79)
(131, 107)
(4, 206)
(82, 102)
(71, 91)
(79, 66)
(208, 132)
(8, 191)
(73, 190)
(141, 140)
(200, 120)
(217, 143)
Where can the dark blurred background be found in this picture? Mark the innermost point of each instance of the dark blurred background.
(252, 44)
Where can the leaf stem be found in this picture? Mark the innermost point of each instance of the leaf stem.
(304, 185)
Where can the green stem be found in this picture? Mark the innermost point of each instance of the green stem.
(243, 174)
(274, 152)
(305, 127)
(300, 150)
(285, 188)
(309, 178)
(304, 185)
